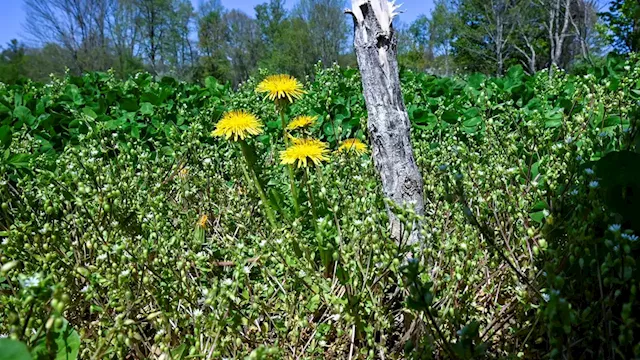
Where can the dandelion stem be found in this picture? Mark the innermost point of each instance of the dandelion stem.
(284, 125)
(252, 173)
(311, 199)
(294, 191)
(292, 182)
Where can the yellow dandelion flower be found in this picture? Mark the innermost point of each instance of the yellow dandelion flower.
(281, 87)
(301, 122)
(239, 124)
(354, 145)
(202, 222)
(303, 150)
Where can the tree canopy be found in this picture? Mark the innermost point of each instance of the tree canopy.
(171, 37)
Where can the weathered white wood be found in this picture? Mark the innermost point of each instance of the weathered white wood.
(388, 124)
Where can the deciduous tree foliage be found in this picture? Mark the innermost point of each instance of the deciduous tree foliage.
(623, 20)
(170, 37)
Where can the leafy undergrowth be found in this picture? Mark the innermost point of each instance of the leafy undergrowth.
(126, 226)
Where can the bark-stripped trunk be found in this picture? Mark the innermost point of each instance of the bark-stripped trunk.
(388, 123)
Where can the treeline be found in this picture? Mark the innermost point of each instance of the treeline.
(489, 36)
(171, 37)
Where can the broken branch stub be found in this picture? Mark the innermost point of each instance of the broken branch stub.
(388, 124)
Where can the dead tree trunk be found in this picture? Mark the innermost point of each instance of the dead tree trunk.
(388, 124)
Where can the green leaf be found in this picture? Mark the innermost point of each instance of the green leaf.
(19, 160)
(539, 206)
(73, 94)
(129, 105)
(273, 124)
(614, 83)
(89, 112)
(21, 113)
(178, 353)
(328, 129)
(64, 344)
(537, 216)
(469, 130)
(167, 150)
(169, 81)
(151, 98)
(471, 113)
(515, 72)
(620, 179)
(450, 116)
(40, 107)
(135, 132)
(5, 136)
(472, 122)
(146, 108)
(4, 109)
(211, 83)
(612, 120)
(13, 350)
(114, 124)
(552, 124)
(476, 80)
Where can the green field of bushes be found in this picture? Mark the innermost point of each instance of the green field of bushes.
(128, 231)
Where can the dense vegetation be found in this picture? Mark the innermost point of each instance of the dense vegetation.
(129, 231)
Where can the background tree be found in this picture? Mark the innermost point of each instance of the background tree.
(425, 45)
(484, 33)
(153, 16)
(77, 26)
(420, 35)
(289, 47)
(125, 34)
(270, 17)
(327, 27)
(530, 36)
(413, 44)
(584, 20)
(243, 45)
(212, 40)
(168, 37)
(292, 51)
(623, 25)
(558, 24)
(442, 35)
(12, 62)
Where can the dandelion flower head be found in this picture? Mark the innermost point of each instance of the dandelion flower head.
(301, 122)
(354, 145)
(281, 87)
(304, 150)
(237, 124)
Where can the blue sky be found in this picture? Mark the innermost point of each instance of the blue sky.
(12, 14)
